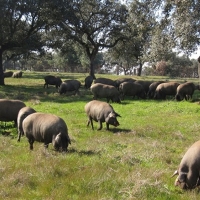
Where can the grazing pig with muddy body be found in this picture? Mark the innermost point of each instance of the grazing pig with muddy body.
(23, 113)
(101, 112)
(189, 169)
(88, 82)
(132, 89)
(69, 86)
(109, 92)
(185, 91)
(152, 88)
(9, 109)
(106, 81)
(52, 80)
(165, 89)
(46, 128)
(8, 74)
(17, 74)
(122, 80)
(145, 84)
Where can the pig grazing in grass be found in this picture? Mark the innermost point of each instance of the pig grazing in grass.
(23, 113)
(106, 81)
(185, 91)
(101, 112)
(88, 82)
(132, 89)
(9, 109)
(122, 80)
(17, 74)
(152, 88)
(8, 74)
(189, 169)
(166, 89)
(109, 92)
(46, 128)
(70, 86)
(52, 80)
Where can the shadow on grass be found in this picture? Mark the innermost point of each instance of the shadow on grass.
(8, 129)
(6, 133)
(7, 125)
(120, 130)
(124, 102)
(194, 100)
(83, 152)
(41, 75)
(26, 93)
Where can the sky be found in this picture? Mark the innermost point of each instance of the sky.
(196, 54)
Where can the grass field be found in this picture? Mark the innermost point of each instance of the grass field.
(133, 161)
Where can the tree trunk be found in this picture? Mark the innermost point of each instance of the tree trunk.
(124, 71)
(92, 70)
(139, 71)
(117, 69)
(199, 70)
(1, 68)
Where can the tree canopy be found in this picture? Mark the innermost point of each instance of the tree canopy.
(92, 24)
(22, 24)
(140, 30)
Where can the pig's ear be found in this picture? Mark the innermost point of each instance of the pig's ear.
(117, 115)
(112, 114)
(56, 139)
(175, 173)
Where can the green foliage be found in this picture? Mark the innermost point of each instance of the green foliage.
(183, 21)
(132, 161)
(137, 36)
(93, 25)
(144, 31)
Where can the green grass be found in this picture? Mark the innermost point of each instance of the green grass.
(133, 161)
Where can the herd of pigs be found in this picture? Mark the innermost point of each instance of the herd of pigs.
(116, 90)
(49, 128)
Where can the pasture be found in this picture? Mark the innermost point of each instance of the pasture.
(133, 161)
